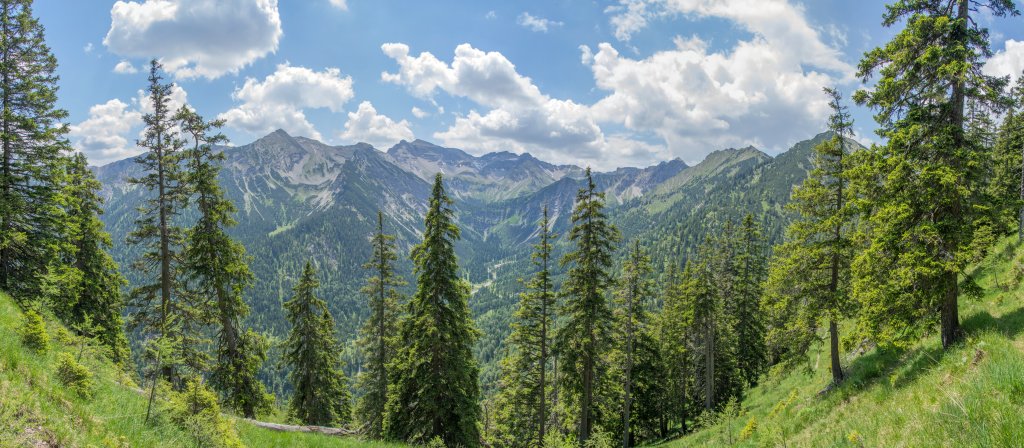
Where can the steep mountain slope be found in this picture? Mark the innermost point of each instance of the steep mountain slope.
(923, 396)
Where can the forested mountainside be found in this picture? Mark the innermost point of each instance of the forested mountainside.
(299, 199)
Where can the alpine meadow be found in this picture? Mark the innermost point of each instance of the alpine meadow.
(536, 224)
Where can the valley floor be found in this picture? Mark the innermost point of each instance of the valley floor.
(971, 396)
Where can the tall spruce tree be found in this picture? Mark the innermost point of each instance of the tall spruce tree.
(675, 333)
(809, 279)
(435, 390)
(584, 339)
(97, 295)
(32, 151)
(923, 219)
(320, 395)
(635, 340)
(748, 319)
(706, 329)
(523, 401)
(377, 340)
(218, 272)
(166, 183)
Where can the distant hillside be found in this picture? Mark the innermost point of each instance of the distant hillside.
(300, 199)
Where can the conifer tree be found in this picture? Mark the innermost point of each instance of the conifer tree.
(706, 330)
(158, 294)
(218, 272)
(320, 395)
(809, 280)
(378, 334)
(923, 218)
(1008, 157)
(583, 341)
(635, 291)
(97, 294)
(435, 392)
(32, 151)
(748, 322)
(523, 399)
(675, 335)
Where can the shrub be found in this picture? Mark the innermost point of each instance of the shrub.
(74, 376)
(33, 332)
(195, 410)
(749, 429)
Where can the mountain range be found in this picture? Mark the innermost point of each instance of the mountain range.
(299, 199)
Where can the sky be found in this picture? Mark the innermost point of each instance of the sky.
(601, 83)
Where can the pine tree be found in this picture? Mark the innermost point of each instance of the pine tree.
(218, 272)
(635, 291)
(157, 298)
(378, 334)
(97, 295)
(320, 395)
(748, 322)
(809, 280)
(583, 341)
(525, 385)
(435, 392)
(923, 219)
(32, 151)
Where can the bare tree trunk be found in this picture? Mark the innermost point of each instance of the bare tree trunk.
(951, 332)
(837, 367)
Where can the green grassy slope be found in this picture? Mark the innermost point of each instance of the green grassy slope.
(36, 410)
(970, 396)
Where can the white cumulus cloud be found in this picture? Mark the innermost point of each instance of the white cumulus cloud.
(366, 125)
(518, 117)
(103, 137)
(1007, 62)
(125, 67)
(340, 4)
(279, 99)
(195, 38)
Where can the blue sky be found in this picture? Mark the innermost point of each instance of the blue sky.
(610, 83)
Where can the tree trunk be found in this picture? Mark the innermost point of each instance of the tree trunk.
(588, 390)
(628, 389)
(837, 367)
(951, 332)
(709, 367)
(5, 182)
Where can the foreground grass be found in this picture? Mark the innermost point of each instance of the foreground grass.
(36, 410)
(972, 395)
